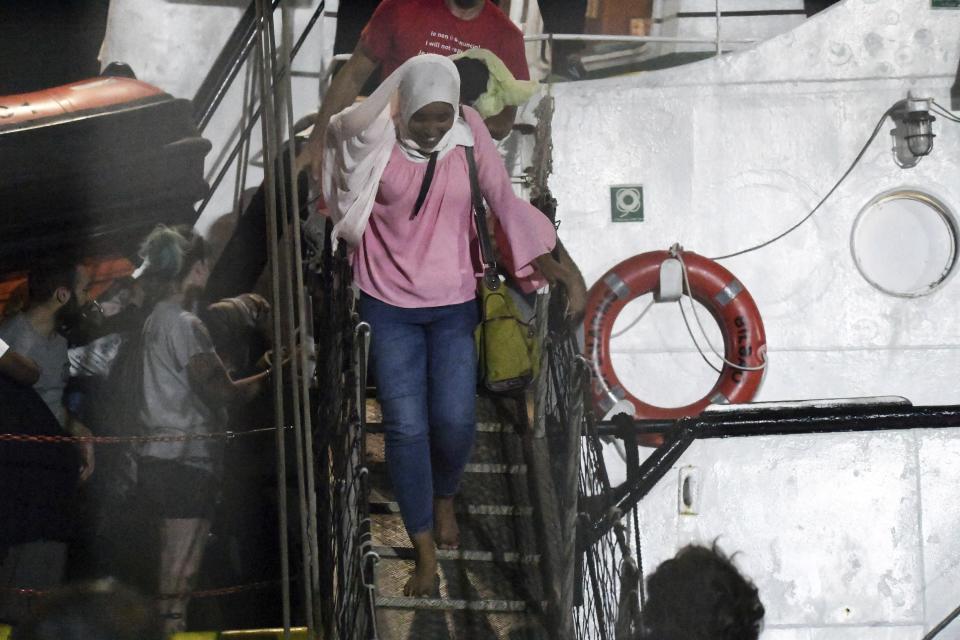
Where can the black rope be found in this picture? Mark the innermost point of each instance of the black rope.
(943, 111)
(943, 624)
(846, 173)
(636, 533)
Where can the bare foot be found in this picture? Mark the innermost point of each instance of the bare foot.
(446, 529)
(424, 581)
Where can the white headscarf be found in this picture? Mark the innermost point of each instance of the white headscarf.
(360, 139)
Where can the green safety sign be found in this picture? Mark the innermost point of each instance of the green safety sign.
(626, 203)
(945, 4)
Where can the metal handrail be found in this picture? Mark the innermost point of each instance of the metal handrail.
(717, 40)
(719, 48)
(255, 116)
(586, 37)
(226, 67)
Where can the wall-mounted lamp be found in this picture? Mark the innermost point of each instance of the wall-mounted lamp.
(913, 135)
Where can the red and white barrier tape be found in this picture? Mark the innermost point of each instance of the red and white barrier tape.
(225, 435)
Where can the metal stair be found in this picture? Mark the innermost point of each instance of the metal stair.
(490, 588)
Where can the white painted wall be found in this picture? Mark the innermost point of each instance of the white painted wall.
(848, 537)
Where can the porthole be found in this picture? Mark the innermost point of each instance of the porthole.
(905, 243)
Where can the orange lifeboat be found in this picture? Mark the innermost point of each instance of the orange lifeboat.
(88, 168)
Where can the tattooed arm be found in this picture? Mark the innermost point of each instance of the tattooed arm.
(17, 367)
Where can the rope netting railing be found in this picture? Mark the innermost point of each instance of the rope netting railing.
(603, 579)
(610, 580)
(559, 411)
(345, 561)
(592, 590)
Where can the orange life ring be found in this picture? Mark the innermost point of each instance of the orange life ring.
(728, 301)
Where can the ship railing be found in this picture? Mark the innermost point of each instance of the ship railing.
(568, 477)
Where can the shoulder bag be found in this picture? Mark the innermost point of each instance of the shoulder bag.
(507, 347)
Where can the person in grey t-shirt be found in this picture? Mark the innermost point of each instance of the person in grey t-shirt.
(56, 293)
(185, 391)
(16, 366)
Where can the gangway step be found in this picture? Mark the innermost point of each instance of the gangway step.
(453, 624)
(489, 589)
(488, 448)
(469, 509)
(476, 488)
(465, 580)
(474, 467)
(375, 426)
(446, 604)
(466, 555)
(296, 633)
(496, 467)
(505, 534)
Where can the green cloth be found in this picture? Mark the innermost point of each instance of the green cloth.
(503, 90)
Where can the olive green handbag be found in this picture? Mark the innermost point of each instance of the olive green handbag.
(507, 347)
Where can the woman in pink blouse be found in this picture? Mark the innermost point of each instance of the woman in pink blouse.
(397, 186)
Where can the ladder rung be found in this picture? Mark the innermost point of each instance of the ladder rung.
(442, 604)
(480, 467)
(495, 467)
(407, 553)
(482, 427)
(470, 509)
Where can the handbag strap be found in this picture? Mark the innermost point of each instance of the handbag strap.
(425, 185)
(490, 275)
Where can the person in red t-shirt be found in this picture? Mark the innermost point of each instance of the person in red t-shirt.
(402, 29)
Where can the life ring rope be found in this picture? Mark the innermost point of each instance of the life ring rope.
(677, 251)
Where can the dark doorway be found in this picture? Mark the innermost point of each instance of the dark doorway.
(49, 43)
(815, 6)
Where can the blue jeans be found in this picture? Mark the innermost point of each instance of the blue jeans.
(425, 367)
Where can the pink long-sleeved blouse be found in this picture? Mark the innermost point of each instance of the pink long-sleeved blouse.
(432, 259)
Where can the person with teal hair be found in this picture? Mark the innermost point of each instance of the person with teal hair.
(181, 390)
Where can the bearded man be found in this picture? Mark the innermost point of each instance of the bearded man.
(38, 478)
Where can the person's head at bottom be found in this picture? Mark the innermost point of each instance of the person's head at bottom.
(100, 610)
(700, 595)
